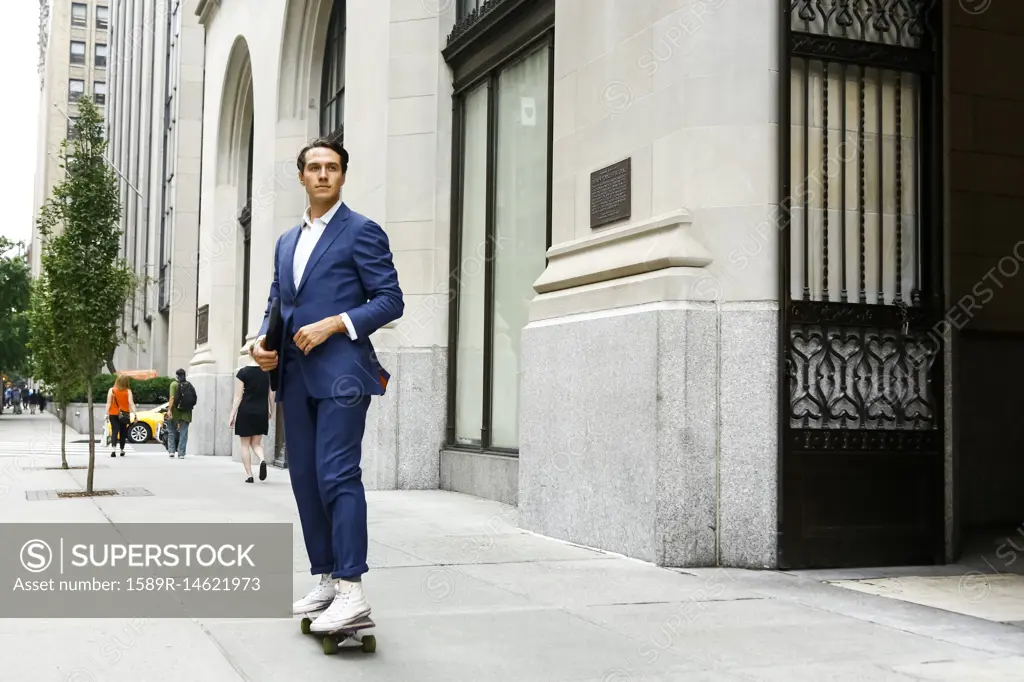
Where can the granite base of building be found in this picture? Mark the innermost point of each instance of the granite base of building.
(487, 475)
(664, 446)
(405, 427)
(209, 433)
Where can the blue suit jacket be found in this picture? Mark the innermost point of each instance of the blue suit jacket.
(351, 270)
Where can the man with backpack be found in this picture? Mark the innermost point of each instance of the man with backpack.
(179, 414)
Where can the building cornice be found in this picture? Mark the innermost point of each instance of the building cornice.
(206, 9)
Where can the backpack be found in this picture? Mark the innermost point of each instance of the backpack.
(185, 398)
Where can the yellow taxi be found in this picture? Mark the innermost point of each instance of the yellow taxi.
(148, 424)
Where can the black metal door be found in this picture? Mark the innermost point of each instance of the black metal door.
(861, 283)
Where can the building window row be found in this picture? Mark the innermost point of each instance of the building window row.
(99, 54)
(80, 16)
(76, 88)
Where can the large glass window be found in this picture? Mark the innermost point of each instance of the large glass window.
(99, 89)
(520, 228)
(470, 270)
(101, 56)
(102, 18)
(332, 88)
(503, 237)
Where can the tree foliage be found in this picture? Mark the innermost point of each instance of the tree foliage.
(50, 356)
(14, 303)
(86, 280)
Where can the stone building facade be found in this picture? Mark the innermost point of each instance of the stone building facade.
(684, 279)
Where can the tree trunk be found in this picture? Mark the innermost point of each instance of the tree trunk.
(110, 363)
(63, 444)
(92, 438)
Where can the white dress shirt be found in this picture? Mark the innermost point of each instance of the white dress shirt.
(312, 231)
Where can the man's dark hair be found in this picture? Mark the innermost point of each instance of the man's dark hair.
(329, 143)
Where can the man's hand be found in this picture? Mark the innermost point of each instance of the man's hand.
(266, 359)
(312, 335)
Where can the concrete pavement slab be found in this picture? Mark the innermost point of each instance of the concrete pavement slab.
(540, 645)
(611, 580)
(825, 672)
(460, 593)
(1009, 669)
(992, 597)
(491, 548)
(753, 633)
(100, 650)
(947, 626)
(423, 590)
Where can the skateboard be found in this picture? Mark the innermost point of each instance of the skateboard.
(332, 641)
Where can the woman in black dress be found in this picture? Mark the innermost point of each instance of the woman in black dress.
(250, 415)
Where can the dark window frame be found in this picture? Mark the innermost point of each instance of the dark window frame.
(102, 24)
(96, 56)
(478, 58)
(332, 100)
(99, 97)
(245, 221)
(72, 95)
(71, 52)
(85, 19)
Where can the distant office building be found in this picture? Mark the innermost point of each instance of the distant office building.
(155, 133)
(73, 56)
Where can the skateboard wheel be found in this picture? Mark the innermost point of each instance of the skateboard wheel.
(330, 646)
(369, 644)
(304, 625)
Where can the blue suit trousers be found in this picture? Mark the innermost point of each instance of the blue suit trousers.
(324, 444)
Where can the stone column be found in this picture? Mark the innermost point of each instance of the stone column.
(654, 338)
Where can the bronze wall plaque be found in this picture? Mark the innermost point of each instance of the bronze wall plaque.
(611, 193)
(202, 324)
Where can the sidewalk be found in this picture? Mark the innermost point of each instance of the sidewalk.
(459, 593)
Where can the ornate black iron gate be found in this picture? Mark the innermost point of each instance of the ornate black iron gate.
(860, 251)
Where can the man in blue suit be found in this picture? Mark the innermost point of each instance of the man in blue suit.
(336, 281)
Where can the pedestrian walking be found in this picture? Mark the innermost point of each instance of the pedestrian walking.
(338, 264)
(120, 412)
(179, 413)
(250, 416)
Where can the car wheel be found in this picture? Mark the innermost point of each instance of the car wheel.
(138, 433)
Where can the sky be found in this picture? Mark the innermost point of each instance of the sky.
(19, 53)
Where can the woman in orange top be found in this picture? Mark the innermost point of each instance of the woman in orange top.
(119, 398)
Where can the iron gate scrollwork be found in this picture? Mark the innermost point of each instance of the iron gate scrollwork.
(861, 283)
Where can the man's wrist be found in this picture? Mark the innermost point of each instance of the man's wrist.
(339, 324)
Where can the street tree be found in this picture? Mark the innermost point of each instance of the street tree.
(14, 303)
(87, 280)
(51, 357)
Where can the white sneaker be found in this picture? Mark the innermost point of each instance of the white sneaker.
(318, 599)
(350, 606)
